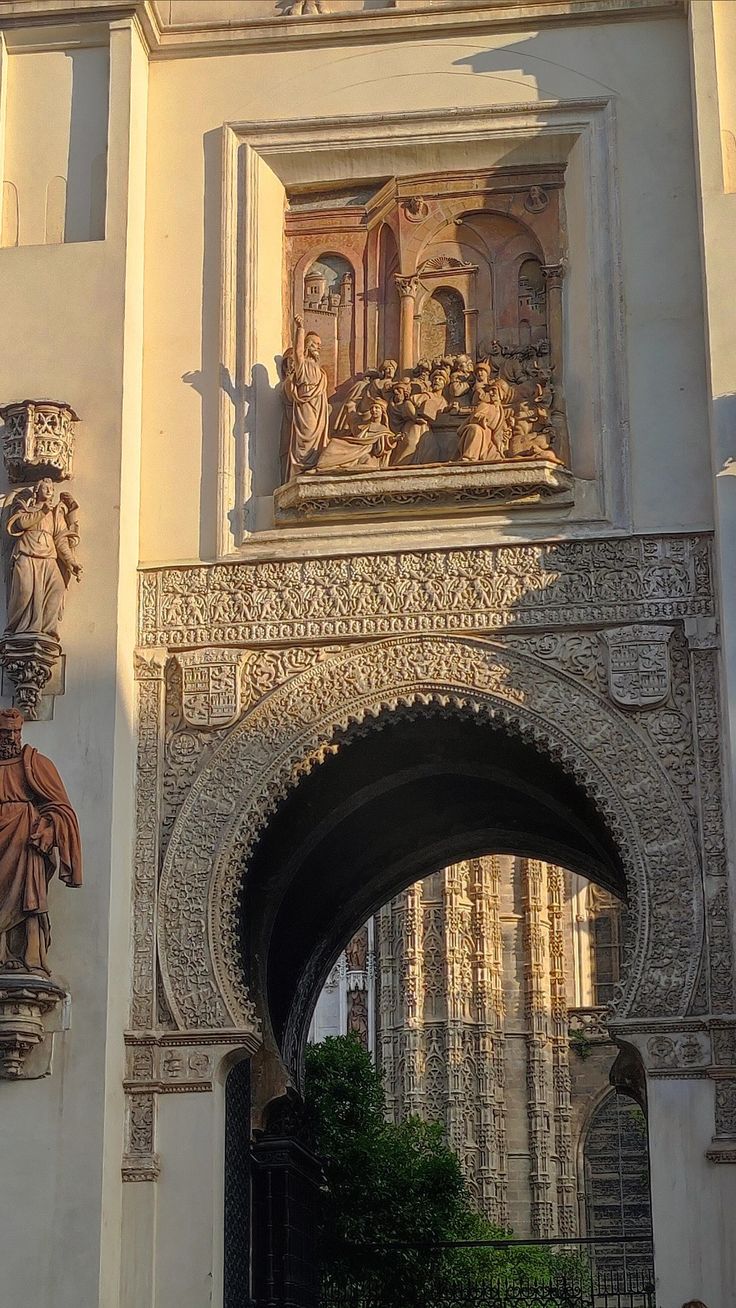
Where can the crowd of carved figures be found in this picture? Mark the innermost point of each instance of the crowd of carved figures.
(505, 405)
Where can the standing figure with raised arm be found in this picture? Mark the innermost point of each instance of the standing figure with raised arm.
(305, 390)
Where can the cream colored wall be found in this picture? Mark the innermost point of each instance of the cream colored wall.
(75, 333)
(643, 66)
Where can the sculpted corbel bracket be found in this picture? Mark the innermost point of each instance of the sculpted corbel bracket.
(26, 1005)
(38, 440)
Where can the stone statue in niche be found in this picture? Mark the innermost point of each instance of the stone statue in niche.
(305, 396)
(39, 835)
(455, 283)
(43, 561)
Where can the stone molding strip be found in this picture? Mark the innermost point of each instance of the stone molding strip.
(165, 39)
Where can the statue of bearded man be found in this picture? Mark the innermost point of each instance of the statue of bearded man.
(39, 835)
(305, 394)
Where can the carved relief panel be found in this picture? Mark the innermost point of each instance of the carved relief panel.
(425, 328)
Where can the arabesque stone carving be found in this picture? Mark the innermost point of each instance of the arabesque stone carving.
(38, 440)
(39, 836)
(263, 757)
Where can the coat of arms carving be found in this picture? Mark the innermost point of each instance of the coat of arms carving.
(210, 687)
(638, 665)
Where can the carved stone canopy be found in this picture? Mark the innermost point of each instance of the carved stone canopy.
(38, 440)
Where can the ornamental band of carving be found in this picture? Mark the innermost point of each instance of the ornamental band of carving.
(586, 583)
(262, 758)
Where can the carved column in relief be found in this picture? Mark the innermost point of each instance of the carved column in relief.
(452, 920)
(407, 288)
(387, 1008)
(412, 993)
(535, 970)
(488, 991)
(150, 677)
(566, 1199)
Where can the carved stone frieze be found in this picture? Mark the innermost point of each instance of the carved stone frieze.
(726, 1108)
(564, 584)
(289, 731)
(140, 1160)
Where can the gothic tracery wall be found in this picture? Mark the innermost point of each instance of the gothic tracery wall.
(475, 974)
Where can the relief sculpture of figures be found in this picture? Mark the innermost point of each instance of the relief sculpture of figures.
(305, 394)
(43, 561)
(500, 409)
(39, 835)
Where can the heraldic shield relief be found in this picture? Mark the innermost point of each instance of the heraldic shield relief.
(211, 686)
(638, 662)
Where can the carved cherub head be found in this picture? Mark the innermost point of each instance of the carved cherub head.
(11, 726)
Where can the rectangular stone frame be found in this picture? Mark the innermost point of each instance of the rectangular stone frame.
(260, 159)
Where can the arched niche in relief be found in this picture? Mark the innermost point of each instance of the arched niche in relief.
(532, 300)
(487, 251)
(442, 324)
(328, 296)
(388, 298)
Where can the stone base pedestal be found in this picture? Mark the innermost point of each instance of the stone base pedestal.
(25, 1001)
(434, 488)
(28, 661)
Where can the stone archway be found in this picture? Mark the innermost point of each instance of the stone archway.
(294, 728)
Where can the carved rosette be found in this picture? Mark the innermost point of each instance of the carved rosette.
(38, 440)
(25, 1001)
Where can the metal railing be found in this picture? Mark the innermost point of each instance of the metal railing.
(598, 1272)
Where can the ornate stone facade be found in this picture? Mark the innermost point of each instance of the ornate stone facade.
(647, 765)
(486, 984)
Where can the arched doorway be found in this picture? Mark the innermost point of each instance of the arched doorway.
(378, 765)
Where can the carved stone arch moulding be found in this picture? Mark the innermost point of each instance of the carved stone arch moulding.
(291, 731)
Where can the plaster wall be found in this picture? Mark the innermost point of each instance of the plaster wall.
(697, 1259)
(642, 67)
(74, 333)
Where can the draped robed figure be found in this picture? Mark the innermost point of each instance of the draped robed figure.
(39, 836)
(305, 393)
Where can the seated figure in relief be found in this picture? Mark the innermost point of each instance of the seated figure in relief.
(408, 420)
(530, 439)
(365, 447)
(305, 399)
(374, 385)
(484, 436)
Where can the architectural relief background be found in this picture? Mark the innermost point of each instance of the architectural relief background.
(481, 992)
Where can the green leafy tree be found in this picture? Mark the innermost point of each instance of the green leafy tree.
(393, 1186)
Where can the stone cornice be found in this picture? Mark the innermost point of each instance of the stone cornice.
(178, 39)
